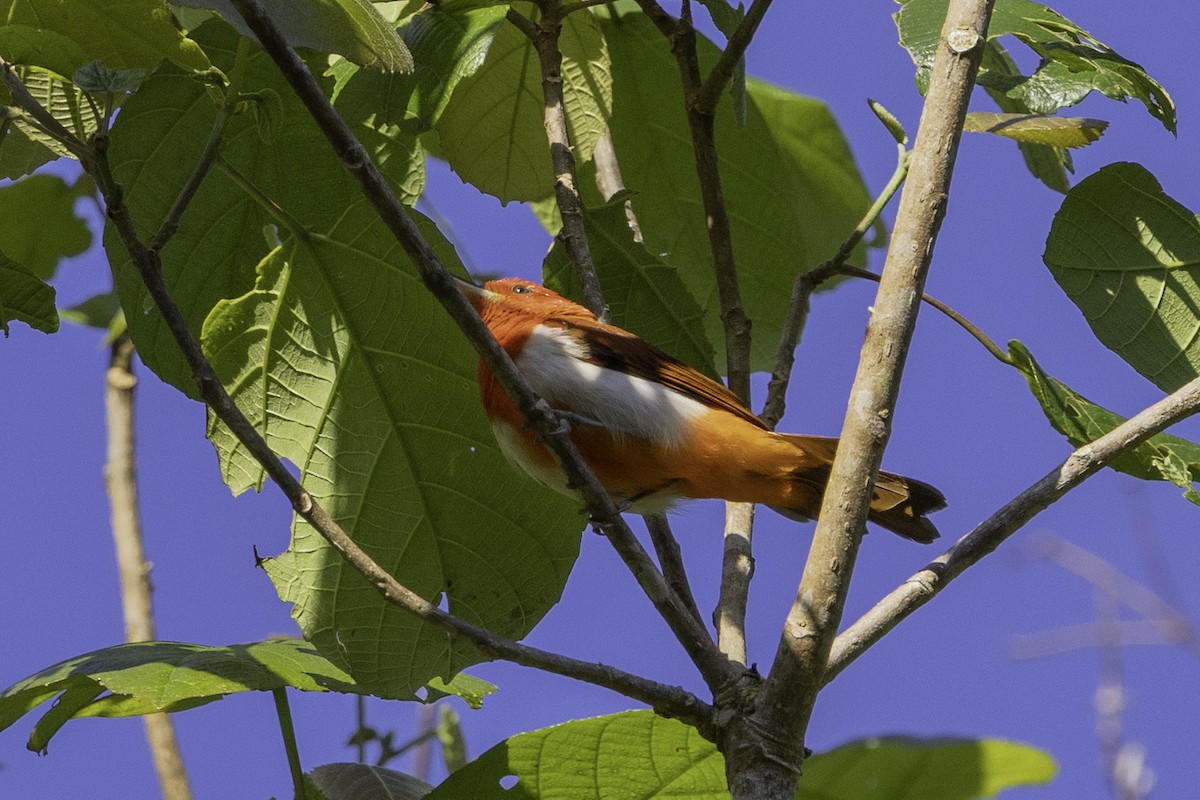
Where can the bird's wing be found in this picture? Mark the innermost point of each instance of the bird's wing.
(613, 348)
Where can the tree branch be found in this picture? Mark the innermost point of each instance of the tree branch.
(735, 50)
(544, 35)
(796, 676)
(670, 558)
(552, 428)
(737, 569)
(989, 534)
(702, 125)
(120, 478)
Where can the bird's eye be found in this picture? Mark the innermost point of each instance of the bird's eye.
(519, 289)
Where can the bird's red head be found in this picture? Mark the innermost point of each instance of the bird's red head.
(510, 298)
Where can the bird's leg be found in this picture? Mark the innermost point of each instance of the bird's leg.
(566, 421)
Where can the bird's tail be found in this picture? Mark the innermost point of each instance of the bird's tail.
(899, 503)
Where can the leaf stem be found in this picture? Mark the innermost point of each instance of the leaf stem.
(284, 712)
(807, 282)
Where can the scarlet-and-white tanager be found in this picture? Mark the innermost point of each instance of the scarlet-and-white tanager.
(655, 430)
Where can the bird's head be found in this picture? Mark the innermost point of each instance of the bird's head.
(516, 297)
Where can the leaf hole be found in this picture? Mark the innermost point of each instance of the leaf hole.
(508, 782)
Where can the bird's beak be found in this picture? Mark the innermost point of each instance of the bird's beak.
(477, 295)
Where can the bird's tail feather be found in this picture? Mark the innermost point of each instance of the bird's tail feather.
(899, 503)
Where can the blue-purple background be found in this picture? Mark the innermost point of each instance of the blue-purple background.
(965, 423)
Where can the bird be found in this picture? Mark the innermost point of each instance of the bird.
(654, 430)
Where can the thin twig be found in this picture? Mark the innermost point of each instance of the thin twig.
(735, 49)
(989, 534)
(609, 180)
(208, 157)
(670, 558)
(807, 282)
(552, 428)
(120, 478)
(702, 127)
(544, 34)
(796, 676)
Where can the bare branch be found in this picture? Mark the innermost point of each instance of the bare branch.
(797, 674)
(670, 558)
(544, 35)
(120, 478)
(737, 568)
(988, 535)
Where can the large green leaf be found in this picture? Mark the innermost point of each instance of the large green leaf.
(1129, 257)
(1162, 457)
(352, 372)
(449, 42)
(38, 225)
(644, 294)
(789, 179)
(639, 755)
(907, 768)
(156, 142)
(492, 131)
(122, 34)
(149, 677)
(1073, 62)
(352, 28)
(19, 154)
(351, 781)
(25, 297)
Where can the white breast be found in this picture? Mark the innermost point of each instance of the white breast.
(553, 363)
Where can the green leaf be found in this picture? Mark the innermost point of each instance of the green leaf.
(353, 372)
(25, 297)
(906, 768)
(1129, 257)
(156, 142)
(98, 311)
(1037, 129)
(25, 45)
(1161, 457)
(352, 28)
(789, 180)
(450, 737)
(121, 34)
(492, 129)
(66, 104)
(1048, 164)
(95, 77)
(639, 755)
(351, 781)
(645, 295)
(629, 755)
(1073, 62)
(149, 677)
(19, 154)
(449, 42)
(38, 225)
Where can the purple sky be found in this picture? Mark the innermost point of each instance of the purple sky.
(965, 423)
